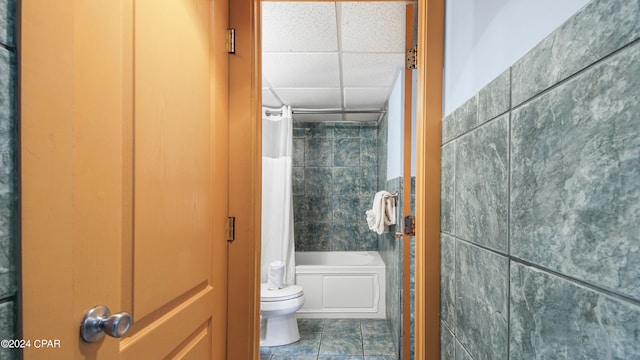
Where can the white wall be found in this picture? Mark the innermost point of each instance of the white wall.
(395, 134)
(483, 38)
(395, 130)
(414, 91)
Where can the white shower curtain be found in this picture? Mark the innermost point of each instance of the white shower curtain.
(277, 198)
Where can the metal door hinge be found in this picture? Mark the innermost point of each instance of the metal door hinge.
(231, 228)
(409, 225)
(412, 58)
(231, 41)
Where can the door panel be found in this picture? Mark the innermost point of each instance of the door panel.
(125, 175)
(72, 221)
(172, 178)
(173, 332)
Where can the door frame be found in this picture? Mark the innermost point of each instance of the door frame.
(428, 122)
(245, 109)
(245, 183)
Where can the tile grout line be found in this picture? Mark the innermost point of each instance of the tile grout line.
(361, 338)
(10, 48)
(573, 280)
(9, 298)
(508, 314)
(320, 342)
(580, 283)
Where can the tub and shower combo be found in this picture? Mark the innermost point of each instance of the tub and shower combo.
(320, 284)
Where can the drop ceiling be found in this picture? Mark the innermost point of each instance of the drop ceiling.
(331, 55)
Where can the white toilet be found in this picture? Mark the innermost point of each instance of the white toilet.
(278, 324)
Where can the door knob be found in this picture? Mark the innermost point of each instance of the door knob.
(98, 321)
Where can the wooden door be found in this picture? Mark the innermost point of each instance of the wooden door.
(124, 175)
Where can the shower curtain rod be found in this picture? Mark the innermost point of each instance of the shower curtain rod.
(269, 112)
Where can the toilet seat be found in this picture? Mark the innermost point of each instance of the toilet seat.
(286, 293)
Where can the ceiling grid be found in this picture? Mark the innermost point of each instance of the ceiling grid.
(330, 55)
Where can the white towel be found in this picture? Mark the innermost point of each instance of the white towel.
(383, 212)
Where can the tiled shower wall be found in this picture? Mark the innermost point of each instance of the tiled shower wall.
(540, 245)
(390, 248)
(8, 177)
(335, 175)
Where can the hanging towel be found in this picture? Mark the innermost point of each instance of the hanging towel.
(383, 212)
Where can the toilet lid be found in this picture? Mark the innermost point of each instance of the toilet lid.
(289, 292)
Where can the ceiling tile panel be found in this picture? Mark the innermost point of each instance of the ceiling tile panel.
(304, 26)
(365, 98)
(302, 54)
(373, 27)
(360, 69)
(294, 70)
(311, 98)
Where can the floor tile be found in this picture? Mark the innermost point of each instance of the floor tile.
(341, 326)
(375, 327)
(336, 339)
(266, 352)
(341, 344)
(307, 345)
(294, 357)
(378, 345)
(306, 326)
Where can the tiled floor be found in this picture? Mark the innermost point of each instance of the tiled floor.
(336, 339)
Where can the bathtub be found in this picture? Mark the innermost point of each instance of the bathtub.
(341, 284)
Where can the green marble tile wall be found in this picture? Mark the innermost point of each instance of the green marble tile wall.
(540, 245)
(335, 176)
(8, 178)
(391, 249)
